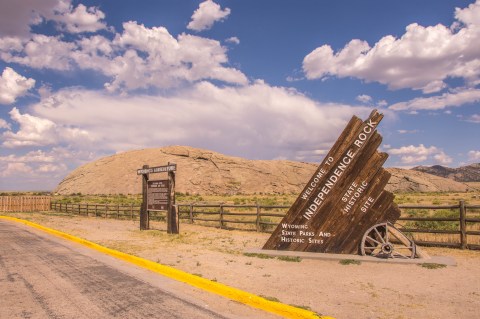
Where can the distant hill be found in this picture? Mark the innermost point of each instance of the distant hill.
(206, 172)
(469, 173)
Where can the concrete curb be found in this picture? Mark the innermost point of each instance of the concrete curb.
(443, 260)
(201, 283)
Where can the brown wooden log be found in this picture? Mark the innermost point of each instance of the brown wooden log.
(343, 198)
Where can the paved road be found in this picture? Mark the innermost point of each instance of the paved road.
(42, 276)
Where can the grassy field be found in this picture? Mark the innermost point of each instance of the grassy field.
(417, 199)
(472, 198)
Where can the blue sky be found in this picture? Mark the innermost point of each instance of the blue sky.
(257, 79)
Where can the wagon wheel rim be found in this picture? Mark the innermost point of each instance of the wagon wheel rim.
(386, 241)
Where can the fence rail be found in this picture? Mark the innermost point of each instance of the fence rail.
(461, 231)
(24, 203)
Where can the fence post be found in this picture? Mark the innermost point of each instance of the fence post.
(463, 225)
(221, 216)
(106, 210)
(118, 211)
(79, 211)
(131, 211)
(191, 213)
(257, 222)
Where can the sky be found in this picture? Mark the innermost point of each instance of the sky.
(80, 80)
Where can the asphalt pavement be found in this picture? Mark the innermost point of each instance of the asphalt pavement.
(42, 276)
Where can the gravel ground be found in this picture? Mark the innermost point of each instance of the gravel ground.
(368, 290)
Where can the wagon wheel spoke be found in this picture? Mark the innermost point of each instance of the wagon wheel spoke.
(380, 236)
(399, 254)
(386, 233)
(375, 241)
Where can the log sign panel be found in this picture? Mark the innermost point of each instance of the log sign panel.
(343, 198)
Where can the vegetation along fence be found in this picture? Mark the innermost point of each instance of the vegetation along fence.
(445, 226)
(24, 203)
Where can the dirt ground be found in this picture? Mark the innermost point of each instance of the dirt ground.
(367, 290)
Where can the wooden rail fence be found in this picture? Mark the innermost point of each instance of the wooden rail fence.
(24, 203)
(460, 231)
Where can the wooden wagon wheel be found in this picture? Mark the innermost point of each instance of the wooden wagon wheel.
(385, 241)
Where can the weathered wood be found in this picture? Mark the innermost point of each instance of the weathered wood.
(172, 216)
(25, 203)
(144, 215)
(463, 225)
(343, 198)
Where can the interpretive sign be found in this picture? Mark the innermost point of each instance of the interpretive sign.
(158, 195)
(343, 198)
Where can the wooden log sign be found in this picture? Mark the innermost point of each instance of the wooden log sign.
(343, 198)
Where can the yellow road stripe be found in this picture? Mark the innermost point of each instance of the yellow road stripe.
(196, 281)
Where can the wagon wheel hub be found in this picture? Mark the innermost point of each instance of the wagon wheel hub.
(387, 248)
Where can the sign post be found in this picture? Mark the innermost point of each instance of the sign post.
(343, 199)
(144, 214)
(158, 195)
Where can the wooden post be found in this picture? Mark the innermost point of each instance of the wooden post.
(463, 225)
(131, 211)
(191, 213)
(106, 211)
(221, 216)
(144, 216)
(172, 218)
(257, 222)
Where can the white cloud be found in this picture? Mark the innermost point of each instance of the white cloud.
(206, 15)
(4, 124)
(421, 59)
(475, 118)
(13, 85)
(407, 131)
(233, 40)
(31, 157)
(33, 131)
(79, 19)
(139, 58)
(382, 103)
(39, 52)
(36, 131)
(474, 155)
(254, 121)
(417, 154)
(442, 158)
(52, 168)
(366, 99)
(453, 99)
(12, 169)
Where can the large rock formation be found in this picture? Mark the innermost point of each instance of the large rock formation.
(468, 173)
(406, 181)
(206, 172)
(198, 172)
